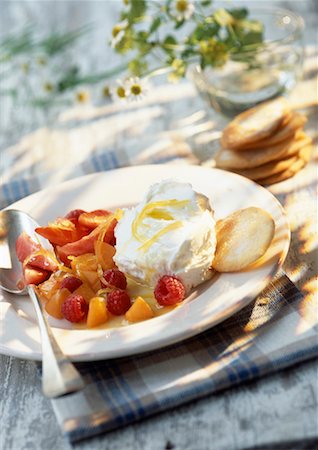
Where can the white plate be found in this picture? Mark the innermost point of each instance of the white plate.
(213, 302)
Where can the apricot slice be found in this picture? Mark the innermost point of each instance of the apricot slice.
(97, 312)
(140, 310)
(86, 291)
(54, 305)
(104, 254)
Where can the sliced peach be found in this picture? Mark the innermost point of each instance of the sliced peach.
(49, 287)
(97, 312)
(84, 262)
(86, 291)
(104, 254)
(140, 310)
(91, 277)
(54, 305)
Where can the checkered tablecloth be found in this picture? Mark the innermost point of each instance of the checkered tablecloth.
(268, 335)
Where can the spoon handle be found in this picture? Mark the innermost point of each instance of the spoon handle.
(59, 375)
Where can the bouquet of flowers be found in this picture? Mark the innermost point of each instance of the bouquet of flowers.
(154, 37)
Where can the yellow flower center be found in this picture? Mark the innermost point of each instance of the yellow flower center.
(117, 29)
(182, 5)
(41, 61)
(121, 92)
(25, 67)
(106, 91)
(82, 96)
(135, 89)
(48, 87)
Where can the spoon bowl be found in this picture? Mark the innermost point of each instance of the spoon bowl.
(59, 375)
(12, 223)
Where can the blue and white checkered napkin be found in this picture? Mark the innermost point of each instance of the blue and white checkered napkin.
(270, 334)
(266, 336)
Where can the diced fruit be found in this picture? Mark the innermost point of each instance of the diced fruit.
(85, 267)
(140, 310)
(43, 261)
(35, 276)
(92, 278)
(85, 291)
(61, 232)
(54, 305)
(169, 291)
(104, 254)
(74, 308)
(94, 218)
(97, 312)
(25, 246)
(71, 283)
(87, 261)
(49, 287)
(114, 278)
(118, 302)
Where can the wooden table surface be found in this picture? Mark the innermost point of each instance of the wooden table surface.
(259, 415)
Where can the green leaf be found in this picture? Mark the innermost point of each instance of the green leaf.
(58, 42)
(189, 51)
(73, 78)
(204, 31)
(18, 43)
(238, 13)
(155, 25)
(205, 3)
(170, 40)
(179, 24)
(169, 44)
(137, 10)
(11, 92)
(43, 102)
(248, 32)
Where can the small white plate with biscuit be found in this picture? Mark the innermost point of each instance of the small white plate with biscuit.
(214, 301)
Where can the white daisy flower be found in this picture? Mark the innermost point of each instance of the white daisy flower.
(118, 32)
(184, 9)
(119, 91)
(137, 88)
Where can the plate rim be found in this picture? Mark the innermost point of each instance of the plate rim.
(178, 336)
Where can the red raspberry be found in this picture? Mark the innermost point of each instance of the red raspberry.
(74, 308)
(114, 278)
(169, 290)
(118, 302)
(71, 283)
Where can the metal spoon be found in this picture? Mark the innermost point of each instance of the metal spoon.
(59, 376)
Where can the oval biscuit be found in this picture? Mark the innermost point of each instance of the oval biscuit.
(286, 131)
(255, 124)
(303, 158)
(242, 238)
(230, 159)
(266, 170)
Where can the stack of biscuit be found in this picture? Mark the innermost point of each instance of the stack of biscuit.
(266, 144)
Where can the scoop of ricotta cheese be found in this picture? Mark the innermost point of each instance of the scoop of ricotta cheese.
(171, 232)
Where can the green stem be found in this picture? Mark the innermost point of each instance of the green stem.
(158, 71)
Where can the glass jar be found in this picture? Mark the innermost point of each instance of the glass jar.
(251, 77)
